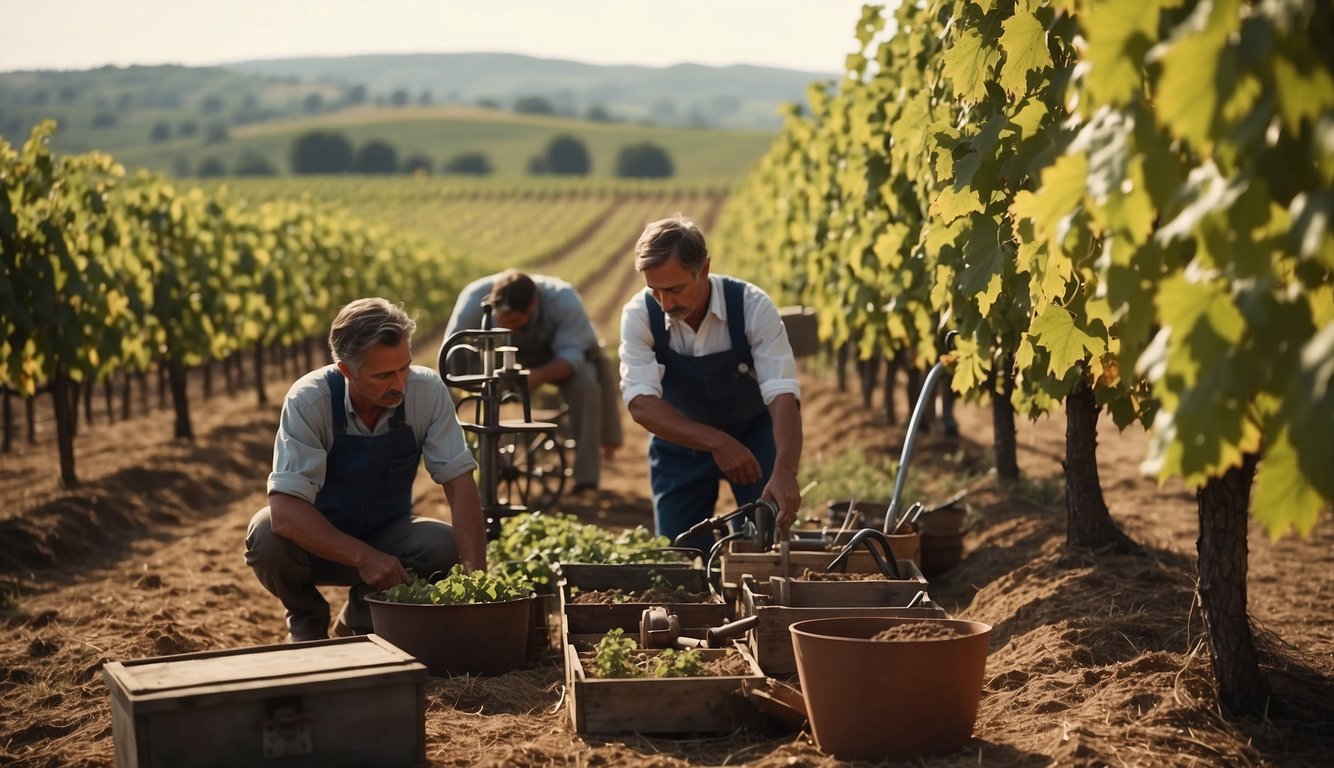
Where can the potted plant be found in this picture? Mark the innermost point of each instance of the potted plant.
(466, 623)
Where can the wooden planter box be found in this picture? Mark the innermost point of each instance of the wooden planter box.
(598, 619)
(741, 559)
(661, 704)
(771, 642)
(590, 576)
(302, 704)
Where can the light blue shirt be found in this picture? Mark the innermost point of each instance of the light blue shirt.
(560, 319)
(305, 431)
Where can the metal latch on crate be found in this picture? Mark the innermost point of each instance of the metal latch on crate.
(286, 729)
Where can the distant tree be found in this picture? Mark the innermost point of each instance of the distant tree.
(161, 132)
(187, 128)
(643, 161)
(533, 105)
(39, 97)
(400, 97)
(124, 101)
(537, 166)
(211, 105)
(252, 163)
(598, 114)
(566, 155)
(210, 167)
(104, 120)
(376, 156)
(355, 95)
(425, 98)
(469, 163)
(419, 163)
(321, 152)
(486, 102)
(67, 94)
(313, 103)
(216, 133)
(250, 100)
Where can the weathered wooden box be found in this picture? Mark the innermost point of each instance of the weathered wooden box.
(771, 642)
(742, 558)
(661, 704)
(588, 618)
(349, 701)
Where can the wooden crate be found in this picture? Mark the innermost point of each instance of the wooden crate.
(589, 576)
(771, 641)
(661, 704)
(741, 559)
(302, 704)
(587, 618)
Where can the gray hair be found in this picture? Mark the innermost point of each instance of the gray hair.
(364, 323)
(675, 236)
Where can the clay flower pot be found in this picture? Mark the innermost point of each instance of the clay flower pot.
(889, 699)
(468, 638)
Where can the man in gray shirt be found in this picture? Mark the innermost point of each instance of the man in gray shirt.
(558, 345)
(350, 440)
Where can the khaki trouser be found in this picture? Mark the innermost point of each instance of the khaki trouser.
(423, 545)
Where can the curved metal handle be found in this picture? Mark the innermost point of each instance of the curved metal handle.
(864, 537)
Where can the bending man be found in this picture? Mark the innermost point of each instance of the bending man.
(707, 369)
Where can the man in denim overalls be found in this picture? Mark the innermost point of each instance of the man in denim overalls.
(707, 369)
(351, 438)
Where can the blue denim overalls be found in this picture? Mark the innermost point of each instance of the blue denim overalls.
(719, 390)
(367, 480)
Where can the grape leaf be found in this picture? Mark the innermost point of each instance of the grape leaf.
(1284, 497)
(1119, 36)
(1025, 44)
(1055, 330)
(968, 65)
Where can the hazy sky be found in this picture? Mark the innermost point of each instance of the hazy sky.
(812, 35)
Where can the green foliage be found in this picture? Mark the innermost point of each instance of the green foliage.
(532, 543)
(672, 662)
(615, 657)
(643, 161)
(321, 152)
(375, 157)
(566, 155)
(459, 588)
(1128, 195)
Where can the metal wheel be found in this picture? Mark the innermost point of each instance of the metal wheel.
(531, 470)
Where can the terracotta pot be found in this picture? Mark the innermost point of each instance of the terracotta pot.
(472, 639)
(889, 699)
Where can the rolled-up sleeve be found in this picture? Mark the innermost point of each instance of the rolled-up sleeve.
(641, 373)
(775, 365)
(301, 447)
(444, 448)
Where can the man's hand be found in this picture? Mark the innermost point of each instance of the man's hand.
(380, 570)
(736, 461)
(782, 490)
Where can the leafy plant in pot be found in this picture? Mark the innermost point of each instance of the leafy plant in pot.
(466, 623)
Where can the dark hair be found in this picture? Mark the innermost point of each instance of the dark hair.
(512, 291)
(364, 323)
(675, 236)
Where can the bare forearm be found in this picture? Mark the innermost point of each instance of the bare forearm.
(465, 512)
(659, 417)
(298, 521)
(786, 414)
